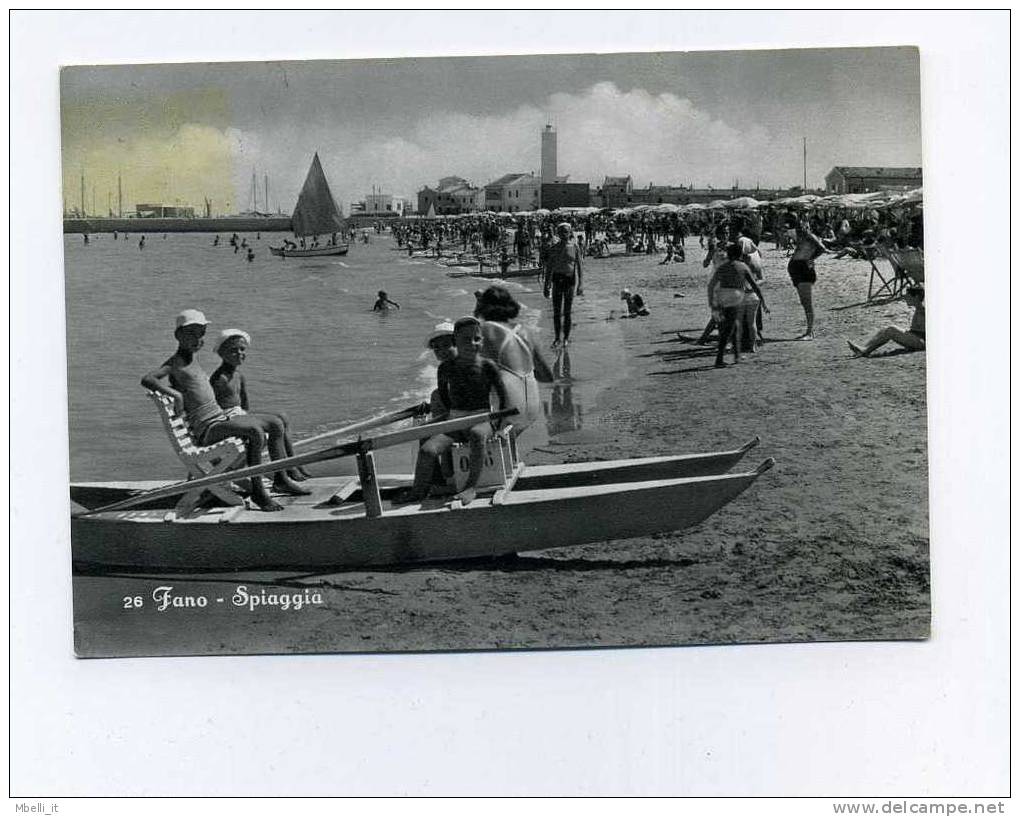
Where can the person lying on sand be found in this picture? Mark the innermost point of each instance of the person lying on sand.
(911, 339)
(231, 388)
(188, 386)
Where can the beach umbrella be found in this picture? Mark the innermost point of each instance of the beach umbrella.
(742, 203)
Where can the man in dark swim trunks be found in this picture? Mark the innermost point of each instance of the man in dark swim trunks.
(563, 278)
(802, 272)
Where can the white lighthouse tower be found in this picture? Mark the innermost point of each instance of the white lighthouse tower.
(548, 155)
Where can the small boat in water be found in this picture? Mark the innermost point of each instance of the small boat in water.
(315, 214)
(311, 252)
(519, 272)
(355, 522)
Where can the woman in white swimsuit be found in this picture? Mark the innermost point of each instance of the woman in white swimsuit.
(509, 346)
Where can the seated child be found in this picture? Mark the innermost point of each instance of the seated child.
(231, 388)
(912, 339)
(384, 303)
(465, 383)
(635, 304)
(442, 344)
(182, 379)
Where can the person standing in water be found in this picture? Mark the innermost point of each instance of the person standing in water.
(563, 279)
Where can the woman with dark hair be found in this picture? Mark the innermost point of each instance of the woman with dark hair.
(510, 346)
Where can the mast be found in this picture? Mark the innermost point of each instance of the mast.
(120, 198)
(804, 188)
(83, 192)
(266, 202)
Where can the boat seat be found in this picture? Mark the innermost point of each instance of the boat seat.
(498, 467)
(200, 460)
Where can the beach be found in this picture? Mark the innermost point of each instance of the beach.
(831, 544)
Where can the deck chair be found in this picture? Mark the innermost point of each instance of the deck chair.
(906, 268)
(908, 264)
(200, 460)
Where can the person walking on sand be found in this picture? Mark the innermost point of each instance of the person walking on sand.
(563, 280)
(802, 272)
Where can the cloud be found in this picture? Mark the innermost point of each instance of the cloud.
(660, 138)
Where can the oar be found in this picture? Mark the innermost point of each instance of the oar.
(334, 452)
(372, 422)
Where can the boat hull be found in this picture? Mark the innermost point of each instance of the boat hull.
(314, 252)
(330, 528)
(527, 272)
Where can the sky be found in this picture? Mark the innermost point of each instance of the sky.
(180, 133)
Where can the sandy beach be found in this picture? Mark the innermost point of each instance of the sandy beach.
(832, 544)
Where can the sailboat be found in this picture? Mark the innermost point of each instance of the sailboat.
(316, 214)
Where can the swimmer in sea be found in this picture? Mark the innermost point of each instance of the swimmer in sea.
(383, 302)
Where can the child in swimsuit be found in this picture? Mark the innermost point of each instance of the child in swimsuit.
(465, 385)
(231, 388)
(182, 379)
(443, 346)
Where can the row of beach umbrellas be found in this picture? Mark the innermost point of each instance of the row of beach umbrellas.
(880, 199)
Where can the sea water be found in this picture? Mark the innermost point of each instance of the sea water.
(319, 354)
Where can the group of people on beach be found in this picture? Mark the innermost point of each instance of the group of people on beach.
(480, 356)
(484, 355)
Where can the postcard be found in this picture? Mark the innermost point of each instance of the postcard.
(518, 352)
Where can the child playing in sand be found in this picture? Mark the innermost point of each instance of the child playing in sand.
(182, 379)
(912, 339)
(384, 303)
(465, 383)
(635, 304)
(231, 388)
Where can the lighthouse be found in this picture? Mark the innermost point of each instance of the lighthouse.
(548, 155)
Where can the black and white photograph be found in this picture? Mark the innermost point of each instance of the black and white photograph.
(509, 403)
(429, 354)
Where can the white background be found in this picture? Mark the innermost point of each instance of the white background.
(825, 719)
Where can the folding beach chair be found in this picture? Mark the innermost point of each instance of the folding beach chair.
(906, 268)
(200, 460)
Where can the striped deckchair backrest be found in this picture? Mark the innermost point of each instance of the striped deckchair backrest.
(176, 425)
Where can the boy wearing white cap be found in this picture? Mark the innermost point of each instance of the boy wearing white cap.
(188, 386)
(231, 388)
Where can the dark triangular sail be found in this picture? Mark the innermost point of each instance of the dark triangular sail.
(316, 212)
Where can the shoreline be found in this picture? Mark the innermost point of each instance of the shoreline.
(832, 544)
